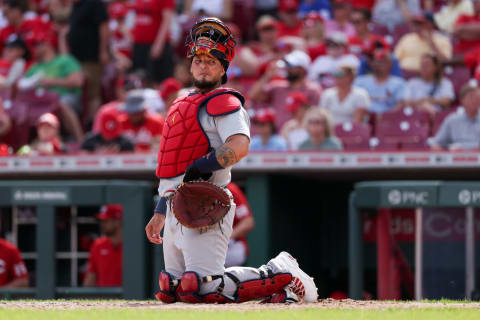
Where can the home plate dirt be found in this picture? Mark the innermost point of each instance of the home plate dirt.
(321, 304)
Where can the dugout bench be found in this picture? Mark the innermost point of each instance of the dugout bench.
(134, 196)
(420, 196)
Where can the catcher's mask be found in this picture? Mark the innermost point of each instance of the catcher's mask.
(213, 37)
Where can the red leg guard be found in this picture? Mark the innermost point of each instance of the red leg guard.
(167, 288)
(189, 288)
(261, 288)
(216, 298)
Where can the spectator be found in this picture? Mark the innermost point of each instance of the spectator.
(361, 21)
(341, 19)
(13, 62)
(243, 223)
(222, 9)
(48, 141)
(266, 138)
(106, 254)
(88, 24)
(169, 90)
(423, 39)
(120, 38)
(367, 57)
(392, 13)
(345, 102)
(322, 7)
(447, 16)
(13, 272)
(324, 67)
(320, 131)
(431, 92)
(289, 24)
(461, 130)
(5, 123)
(58, 73)
(467, 30)
(143, 128)
(272, 92)
(386, 92)
(293, 131)
(313, 34)
(110, 138)
(152, 51)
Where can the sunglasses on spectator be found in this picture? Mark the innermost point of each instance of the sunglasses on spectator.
(267, 28)
(332, 44)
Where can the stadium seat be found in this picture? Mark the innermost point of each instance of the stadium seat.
(379, 30)
(36, 102)
(403, 134)
(354, 136)
(439, 117)
(408, 114)
(399, 32)
(459, 76)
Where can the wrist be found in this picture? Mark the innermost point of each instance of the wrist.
(208, 163)
(161, 207)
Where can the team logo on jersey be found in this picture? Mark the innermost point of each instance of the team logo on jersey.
(173, 118)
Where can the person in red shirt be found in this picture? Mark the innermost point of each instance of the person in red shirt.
(169, 90)
(120, 40)
(106, 258)
(144, 129)
(314, 36)
(290, 24)
(151, 46)
(361, 19)
(13, 272)
(467, 30)
(243, 223)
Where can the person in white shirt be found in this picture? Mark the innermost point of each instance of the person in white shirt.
(323, 68)
(345, 102)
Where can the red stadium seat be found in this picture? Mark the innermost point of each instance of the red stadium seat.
(354, 136)
(459, 76)
(408, 113)
(399, 32)
(403, 134)
(36, 102)
(380, 30)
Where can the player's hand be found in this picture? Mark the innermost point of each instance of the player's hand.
(154, 227)
(193, 173)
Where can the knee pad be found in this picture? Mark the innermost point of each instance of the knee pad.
(168, 286)
(189, 288)
(266, 286)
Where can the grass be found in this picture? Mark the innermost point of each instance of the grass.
(307, 314)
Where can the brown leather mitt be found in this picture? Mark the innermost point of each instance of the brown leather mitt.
(199, 204)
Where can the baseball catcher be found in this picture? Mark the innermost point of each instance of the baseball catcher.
(206, 132)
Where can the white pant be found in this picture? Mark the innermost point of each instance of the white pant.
(236, 253)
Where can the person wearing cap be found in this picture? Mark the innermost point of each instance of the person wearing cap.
(341, 19)
(461, 129)
(467, 30)
(431, 92)
(290, 24)
(392, 13)
(448, 14)
(106, 254)
(324, 67)
(110, 138)
(344, 101)
(270, 91)
(319, 126)
(386, 92)
(361, 19)
(169, 89)
(13, 62)
(139, 125)
(266, 138)
(314, 35)
(424, 39)
(48, 141)
(293, 131)
(13, 271)
(120, 39)
(366, 59)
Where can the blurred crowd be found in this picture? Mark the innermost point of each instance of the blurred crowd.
(83, 76)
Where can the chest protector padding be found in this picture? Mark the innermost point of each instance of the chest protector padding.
(183, 138)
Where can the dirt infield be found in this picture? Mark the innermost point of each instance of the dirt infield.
(322, 304)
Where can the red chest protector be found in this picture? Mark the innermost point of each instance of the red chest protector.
(183, 138)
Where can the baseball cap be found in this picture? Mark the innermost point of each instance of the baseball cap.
(169, 86)
(110, 127)
(373, 43)
(50, 119)
(110, 211)
(265, 22)
(46, 36)
(337, 37)
(295, 100)
(118, 10)
(135, 102)
(312, 18)
(288, 5)
(298, 58)
(264, 115)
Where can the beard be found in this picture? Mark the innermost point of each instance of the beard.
(205, 85)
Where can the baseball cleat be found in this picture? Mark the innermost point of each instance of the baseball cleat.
(302, 285)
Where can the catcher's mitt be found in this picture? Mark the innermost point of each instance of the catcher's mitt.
(200, 204)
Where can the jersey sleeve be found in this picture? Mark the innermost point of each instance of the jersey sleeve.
(232, 124)
(18, 269)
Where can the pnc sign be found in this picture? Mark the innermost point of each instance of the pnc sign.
(398, 197)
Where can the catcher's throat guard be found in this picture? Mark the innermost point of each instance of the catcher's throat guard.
(200, 204)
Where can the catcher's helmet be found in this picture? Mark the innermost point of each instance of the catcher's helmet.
(212, 36)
